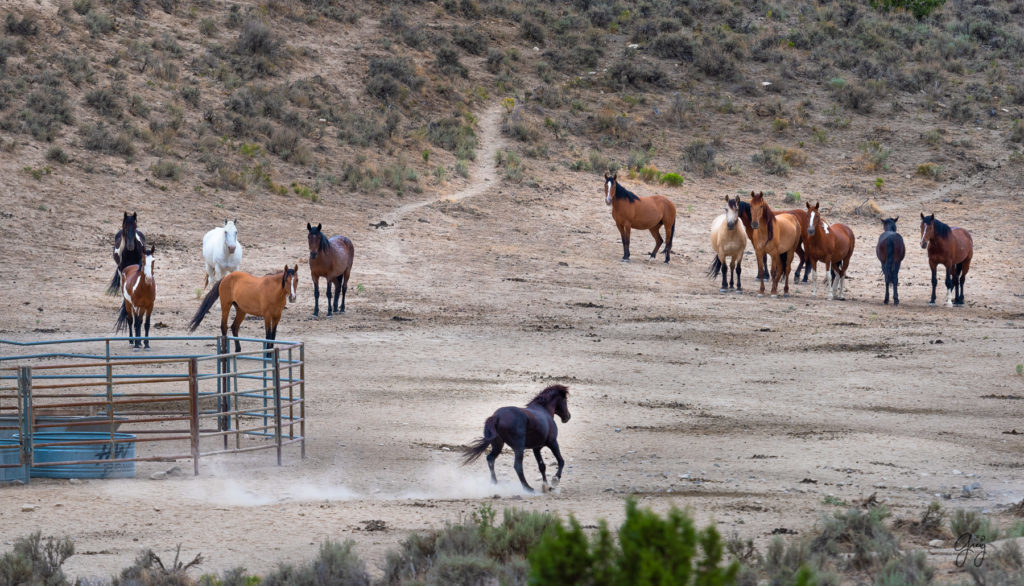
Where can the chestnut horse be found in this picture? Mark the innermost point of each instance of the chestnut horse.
(776, 235)
(530, 427)
(129, 243)
(952, 248)
(728, 242)
(890, 251)
(332, 260)
(138, 287)
(263, 296)
(832, 244)
(643, 213)
(762, 259)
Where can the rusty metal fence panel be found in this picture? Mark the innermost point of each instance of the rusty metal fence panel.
(189, 405)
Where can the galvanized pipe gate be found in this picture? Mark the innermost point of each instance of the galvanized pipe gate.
(104, 412)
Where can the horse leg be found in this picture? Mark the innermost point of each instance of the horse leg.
(725, 270)
(496, 446)
(895, 285)
(949, 285)
(316, 297)
(739, 269)
(328, 298)
(786, 259)
(888, 281)
(935, 280)
(624, 233)
(340, 288)
(148, 315)
(239, 316)
(519, 467)
(964, 267)
(542, 466)
(553, 446)
(657, 240)
(136, 328)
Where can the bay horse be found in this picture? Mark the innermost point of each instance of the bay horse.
(728, 242)
(831, 244)
(531, 427)
(762, 259)
(264, 296)
(643, 213)
(129, 243)
(952, 248)
(139, 291)
(222, 251)
(330, 258)
(776, 235)
(890, 251)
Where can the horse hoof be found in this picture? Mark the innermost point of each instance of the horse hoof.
(895, 303)
(625, 260)
(785, 294)
(775, 296)
(723, 290)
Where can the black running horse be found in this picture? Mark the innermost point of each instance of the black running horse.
(530, 427)
(129, 243)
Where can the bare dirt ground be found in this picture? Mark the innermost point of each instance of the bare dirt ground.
(747, 410)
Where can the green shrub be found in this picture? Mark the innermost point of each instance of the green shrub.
(973, 522)
(260, 52)
(470, 40)
(929, 170)
(672, 179)
(511, 165)
(919, 8)
(531, 31)
(1017, 131)
(453, 135)
(34, 560)
(1002, 566)
(874, 156)
(97, 137)
(391, 77)
(635, 73)
(447, 61)
(208, 27)
(911, 569)
(24, 27)
(46, 111)
(104, 101)
(98, 23)
(699, 157)
(860, 534)
(82, 7)
(57, 155)
(772, 159)
(462, 168)
(166, 170)
(150, 570)
(650, 550)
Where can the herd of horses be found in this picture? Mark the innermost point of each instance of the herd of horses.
(778, 235)
(783, 235)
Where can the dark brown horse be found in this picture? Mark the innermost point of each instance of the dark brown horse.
(643, 213)
(890, 251)
(952, 248)
(762, 259)
(331, 259)
(831, 244)
(139, 291)
(521, 428)
(776, 235)
(263, 296)
(129, 244)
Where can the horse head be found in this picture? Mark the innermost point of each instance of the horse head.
(813, 217)
(148, 262)
(610, 183)
(757, 209)
(732, 212)
(289, 280)
(230, 235)
(927, 229)
(555, 399)
(128, 226)
(889, 224)
(315, 240)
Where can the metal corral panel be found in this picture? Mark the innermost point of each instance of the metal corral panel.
(124, 448)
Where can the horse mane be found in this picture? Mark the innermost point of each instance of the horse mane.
(769, 221)
(744, 209)
(325, 244)
(622, 192)
(547, 395)
(941, 230)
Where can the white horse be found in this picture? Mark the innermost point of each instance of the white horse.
(222, 251)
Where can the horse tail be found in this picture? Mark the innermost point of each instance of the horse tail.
(671, 234)
(205, 306)
(889, 267)
(715, 268)
(473, 451)
(122, 320)
(115, 283)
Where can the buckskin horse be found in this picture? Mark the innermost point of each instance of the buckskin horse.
(264, 296)
(129, 244)
(531, 427)
(728, 242)
(890, 251)
(952, 248)
(643, 213)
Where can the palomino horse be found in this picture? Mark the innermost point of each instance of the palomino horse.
(776, 235)
(832, 244)
(762, 259)
(890, 251)
(530, 427)
(952, 248)
(643, 213)
(728, 242)
(222, 251)
(332, 260)
(129, 243)
(138, 287)
(263, 296)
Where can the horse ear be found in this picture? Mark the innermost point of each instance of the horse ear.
(922, 215)
(126, 215)
(319, 226)
(135, 215)
(896, 219)
(308, 227)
